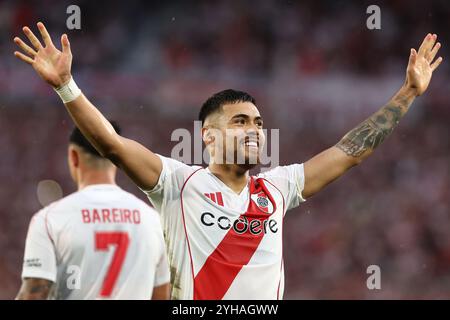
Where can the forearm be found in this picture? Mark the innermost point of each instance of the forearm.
(356, 145)
(139, 163)
(94, 126)
(360, 142)
(34, 289)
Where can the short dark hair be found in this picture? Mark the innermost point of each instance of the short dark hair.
(217, 100)
(76, 137)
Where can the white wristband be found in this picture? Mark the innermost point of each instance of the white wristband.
(69, 91)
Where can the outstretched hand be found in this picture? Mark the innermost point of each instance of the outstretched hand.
(51, 64)
(421, 66)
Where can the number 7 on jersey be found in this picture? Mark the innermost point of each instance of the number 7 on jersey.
(102, 242)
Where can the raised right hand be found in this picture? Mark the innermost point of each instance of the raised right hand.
(51, 64)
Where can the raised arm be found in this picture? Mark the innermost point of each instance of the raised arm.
(360, 142)
(54, 67)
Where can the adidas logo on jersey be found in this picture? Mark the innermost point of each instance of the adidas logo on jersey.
(215, 197)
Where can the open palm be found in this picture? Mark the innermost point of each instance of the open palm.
(51, 64)
(421, 66)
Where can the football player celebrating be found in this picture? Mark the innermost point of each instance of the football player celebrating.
(224, 227)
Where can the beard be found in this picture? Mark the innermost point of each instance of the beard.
(243, 158)
(236, 152)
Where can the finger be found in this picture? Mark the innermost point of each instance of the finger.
(65, 44)
(433, 52)
(30, 51)
(427, 44)
(23, 57)
(430, 44)
(34, 41)
(436, 63)
(412, 57)
(44, 34)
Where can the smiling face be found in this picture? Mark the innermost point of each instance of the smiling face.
(234, 134)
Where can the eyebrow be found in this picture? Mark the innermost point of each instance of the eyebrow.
(243, 115)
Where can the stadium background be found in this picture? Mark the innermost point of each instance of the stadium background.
(316, 71)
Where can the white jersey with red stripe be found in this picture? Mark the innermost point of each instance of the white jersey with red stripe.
(98, 243)
(224, 245)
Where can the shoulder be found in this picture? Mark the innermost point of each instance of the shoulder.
(171, 166)
(289, 173)
(60, 205)
(175, 173)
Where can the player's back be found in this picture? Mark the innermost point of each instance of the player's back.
(107, 244)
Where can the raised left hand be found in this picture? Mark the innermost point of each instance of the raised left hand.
(421, 66)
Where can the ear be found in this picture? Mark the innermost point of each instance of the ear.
(74, 157)
(207, 136)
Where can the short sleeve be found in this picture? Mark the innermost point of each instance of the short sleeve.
(39, 258)
(290, 180)
(170, 182)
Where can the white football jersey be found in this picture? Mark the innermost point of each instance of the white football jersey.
(98, 243)
(224, 245)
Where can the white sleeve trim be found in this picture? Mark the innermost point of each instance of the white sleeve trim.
(40, 274)
(300, 183)
(158, 185)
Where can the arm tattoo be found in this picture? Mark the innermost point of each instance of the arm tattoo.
(372, 132)
(33, 288)
(40, 288)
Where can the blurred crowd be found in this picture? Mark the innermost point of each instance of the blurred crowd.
(316, 72)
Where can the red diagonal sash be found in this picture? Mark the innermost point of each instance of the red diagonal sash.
(233, 252)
